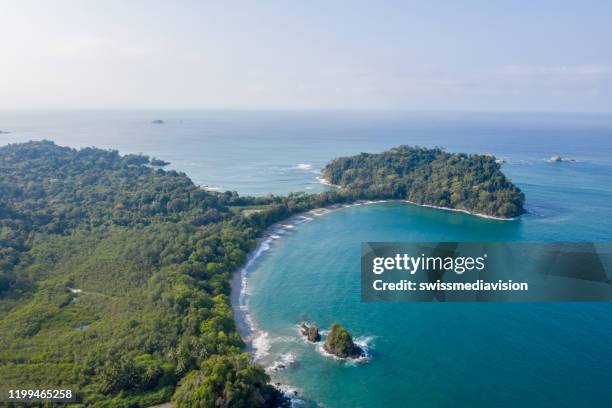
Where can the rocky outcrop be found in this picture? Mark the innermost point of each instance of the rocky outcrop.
(311, 332)
(339, 342)
(559, 159)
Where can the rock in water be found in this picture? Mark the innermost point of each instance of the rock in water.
(311, 332)
(339, 342)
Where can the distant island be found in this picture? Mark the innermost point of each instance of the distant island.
(559, 159)
(115, 275)
(473, 183)
(157, 122)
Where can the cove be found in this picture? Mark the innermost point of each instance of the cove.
(419, 354)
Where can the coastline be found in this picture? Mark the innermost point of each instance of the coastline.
(490, 217)
(256, 341)
(245, 325)
(326, 182)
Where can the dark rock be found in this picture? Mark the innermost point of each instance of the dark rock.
(157, 122)
(311, 332)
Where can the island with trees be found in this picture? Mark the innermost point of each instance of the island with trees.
(115, 275)
(473, 183)
(339, 342)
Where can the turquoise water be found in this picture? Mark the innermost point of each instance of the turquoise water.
(421, 355)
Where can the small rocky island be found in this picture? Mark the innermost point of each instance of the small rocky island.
(559, 159)
(338, 342)
(310, 332)
(157, 122)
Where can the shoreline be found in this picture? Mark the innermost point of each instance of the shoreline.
(256, 341)
(326, 182)
(468, 212)
(245, 325)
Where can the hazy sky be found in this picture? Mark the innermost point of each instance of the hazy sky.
(428, 55)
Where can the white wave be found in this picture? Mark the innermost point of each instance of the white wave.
(319, 212)
(366, 343)
(301, 219)
(303, 166)
(261, 344)
(284, 361)
(263, 247)
(326, 182)
(293, 394)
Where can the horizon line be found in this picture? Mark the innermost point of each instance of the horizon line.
(301, 110)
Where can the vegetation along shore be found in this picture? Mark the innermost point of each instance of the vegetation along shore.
(115, 273)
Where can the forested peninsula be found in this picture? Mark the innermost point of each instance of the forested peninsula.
(473, 183)
(115, 273)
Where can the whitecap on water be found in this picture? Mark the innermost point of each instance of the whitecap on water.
(303, 166)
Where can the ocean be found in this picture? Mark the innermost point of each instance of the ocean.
(420, 355)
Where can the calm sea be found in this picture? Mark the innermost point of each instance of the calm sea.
(421, 355)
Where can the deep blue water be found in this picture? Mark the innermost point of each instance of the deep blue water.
(423, 355)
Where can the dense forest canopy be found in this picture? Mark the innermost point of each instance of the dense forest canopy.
(114, 273)
(473, 183)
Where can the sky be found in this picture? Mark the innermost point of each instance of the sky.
(303, 55)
